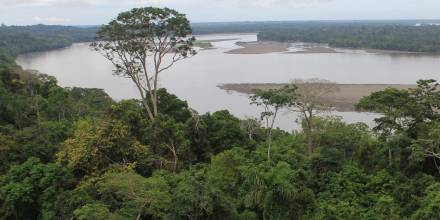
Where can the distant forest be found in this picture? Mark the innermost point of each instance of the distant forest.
(262, 26)
(404, 35)
(24, 39)
(389, 37)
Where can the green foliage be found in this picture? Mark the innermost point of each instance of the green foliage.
(409, 114)
(131, 113)
(94, 211)
(351, 193)
(74, 153)
(29, 190)
(121, 193)
(196, 196)
(427, 146)
(393, 103)
(404, 109)
(271, 101)
(203, 44)
(170, 105)
(430, 208)
(167, 140)
(339, 143)
(25, 39)
(97, 145)
(277, 193)
(191, 198)
(36, 115)
(224, 131)
(211, 134)
(137, 42)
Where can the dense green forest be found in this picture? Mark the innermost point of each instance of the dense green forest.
(258, 26)
(74, 153)
(16, 40)
(387, 37)
(393, 35)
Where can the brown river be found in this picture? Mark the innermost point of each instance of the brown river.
(195, 80)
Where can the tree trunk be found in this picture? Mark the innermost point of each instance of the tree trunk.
(309, 122)
(144, 101)
(390, 156)
(269, 145)
(147, 108)
(436, 165)
(38, 114)
(143, 96)
(309, 144)
(154, 101)
(176, 159)
(269, 141)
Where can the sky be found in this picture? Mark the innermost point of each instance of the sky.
(95, 12)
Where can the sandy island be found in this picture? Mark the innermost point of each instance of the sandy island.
(395, 52)
(264, 47)
(207, 44)
(314, 49)
(260, 47)
(343, 100)
(220, 40)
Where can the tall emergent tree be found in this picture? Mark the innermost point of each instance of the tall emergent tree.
(394, 104)
(272, 101)
(311, 96)
(406, 111)
(144, 42)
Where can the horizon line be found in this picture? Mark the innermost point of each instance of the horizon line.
(255, 21)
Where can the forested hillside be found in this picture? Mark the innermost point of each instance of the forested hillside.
(387, 37)
(24, 39)
(390, 35)
(258, 26)
(74, 153)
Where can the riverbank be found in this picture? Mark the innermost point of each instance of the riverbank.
(395, 52)
(344, 99)
(259, 47)
(306, 48)
(265, 47)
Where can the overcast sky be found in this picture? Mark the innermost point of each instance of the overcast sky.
(91, 12)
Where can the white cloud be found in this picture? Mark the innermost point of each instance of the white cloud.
(50, 20)
(252, 3)
(101, 11)
(79, 3)
(266, 3)
(31, 3)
